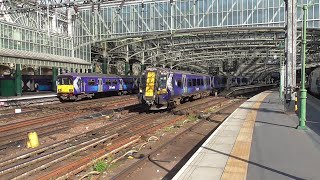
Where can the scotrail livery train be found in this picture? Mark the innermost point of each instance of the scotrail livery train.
(161, 88)
(75, 86)
(314, 82)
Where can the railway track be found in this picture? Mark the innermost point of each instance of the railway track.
(14, 133)
(43, 111)
(56, 153)
(70, 156)
(216, 118)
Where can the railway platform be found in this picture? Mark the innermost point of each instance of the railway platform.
(28, 98)
(259, 141)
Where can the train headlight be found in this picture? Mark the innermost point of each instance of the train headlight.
(163, 91)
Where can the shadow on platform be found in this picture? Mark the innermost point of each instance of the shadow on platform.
(293, 127)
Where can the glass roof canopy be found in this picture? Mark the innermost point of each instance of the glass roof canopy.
(148, 16)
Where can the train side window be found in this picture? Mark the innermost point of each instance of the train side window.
(179, 83)
(91, 82)
(114, 82)
(194, 82)
(198, 82)
(189, 82)
(108, 82)
(121, 81)
(201, 82)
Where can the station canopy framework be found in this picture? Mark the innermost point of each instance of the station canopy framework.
(197, 35)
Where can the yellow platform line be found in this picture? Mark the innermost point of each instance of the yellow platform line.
(237, 164)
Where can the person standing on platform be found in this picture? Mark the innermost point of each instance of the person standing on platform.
(36, 86)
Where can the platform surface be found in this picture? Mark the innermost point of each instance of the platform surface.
(28, 95)
(259, 141)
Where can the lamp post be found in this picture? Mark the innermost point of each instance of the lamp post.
(303, 91)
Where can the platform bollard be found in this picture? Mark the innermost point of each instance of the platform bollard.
(33, 141)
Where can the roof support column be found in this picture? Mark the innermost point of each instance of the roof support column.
(172, 3)
(54, 78)
(18, 79)
(127, 65)
(105, 56)
(291, 42)
(143, 58)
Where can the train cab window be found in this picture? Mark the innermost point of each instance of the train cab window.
(194, 82)
(114, 82)
(108, 82)
(179, 83)
(91, 82)
(64, 81)
(189, 82)
(163, 82)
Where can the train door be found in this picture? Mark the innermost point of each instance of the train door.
(121, 84)
(100, 85)
(184, 83)
(82, 86)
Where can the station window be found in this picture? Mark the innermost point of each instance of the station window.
(91, 82)
(189, 82)
(108, 82)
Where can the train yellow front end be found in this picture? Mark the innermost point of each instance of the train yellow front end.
(65, 88)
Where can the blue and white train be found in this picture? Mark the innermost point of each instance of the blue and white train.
(75, 86)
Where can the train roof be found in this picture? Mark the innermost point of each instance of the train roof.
(177, 71)
(95, 75)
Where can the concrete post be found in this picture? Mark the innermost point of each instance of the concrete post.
(18, 80)
(291, 33)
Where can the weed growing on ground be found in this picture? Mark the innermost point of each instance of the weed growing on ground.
(192, 117)
(100, 166)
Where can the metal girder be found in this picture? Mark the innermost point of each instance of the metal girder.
(209, 46)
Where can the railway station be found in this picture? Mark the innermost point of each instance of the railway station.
(160, 89)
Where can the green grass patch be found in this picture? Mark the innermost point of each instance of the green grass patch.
(100, 166)
(192, 117)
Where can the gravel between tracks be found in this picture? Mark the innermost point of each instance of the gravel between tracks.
(104, 120)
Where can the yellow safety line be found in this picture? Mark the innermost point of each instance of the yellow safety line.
(237, 164)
